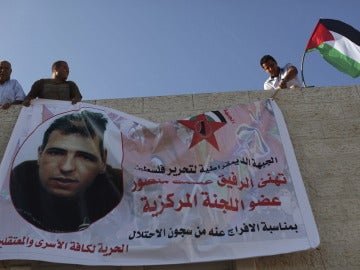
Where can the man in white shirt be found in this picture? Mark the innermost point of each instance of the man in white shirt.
(280, 78)
(11, 91)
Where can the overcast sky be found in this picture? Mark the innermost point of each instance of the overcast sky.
(138, 48)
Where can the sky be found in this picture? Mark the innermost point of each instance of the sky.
(142, 48)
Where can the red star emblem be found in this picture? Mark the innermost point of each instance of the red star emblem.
(203, 129)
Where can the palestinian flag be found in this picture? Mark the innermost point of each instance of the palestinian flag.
(339, 44)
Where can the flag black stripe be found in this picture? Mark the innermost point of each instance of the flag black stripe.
(343, 29)
(221, 117)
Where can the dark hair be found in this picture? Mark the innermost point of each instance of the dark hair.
(86, 123)
(5, 61)
(266, 58)
(57, 64)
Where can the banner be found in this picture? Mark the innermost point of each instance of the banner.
(85, 184)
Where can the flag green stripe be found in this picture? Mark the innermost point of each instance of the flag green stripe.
(340, 61)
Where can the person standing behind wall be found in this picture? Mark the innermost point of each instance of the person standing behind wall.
(11, 91)
(280, 78)
(55, 88)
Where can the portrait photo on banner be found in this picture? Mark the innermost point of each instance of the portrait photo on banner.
(67, 173)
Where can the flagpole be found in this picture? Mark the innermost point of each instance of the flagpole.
(302, 69)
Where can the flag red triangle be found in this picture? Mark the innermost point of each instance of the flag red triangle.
(319, 36)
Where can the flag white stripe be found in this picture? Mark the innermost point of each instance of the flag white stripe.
(345, 46)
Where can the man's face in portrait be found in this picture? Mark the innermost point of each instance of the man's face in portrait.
(69, 163)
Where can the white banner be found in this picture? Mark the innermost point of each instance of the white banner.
(86, 184)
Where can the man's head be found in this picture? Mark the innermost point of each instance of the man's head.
(269, 64)
(60, 70)
(72, 153)
(5, 71)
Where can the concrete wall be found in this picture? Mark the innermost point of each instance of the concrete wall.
(324, 126)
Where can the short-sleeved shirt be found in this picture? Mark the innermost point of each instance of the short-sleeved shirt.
(273, 82)
(11, 91)
(52, 89)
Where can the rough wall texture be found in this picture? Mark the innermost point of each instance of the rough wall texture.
(324, 126)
